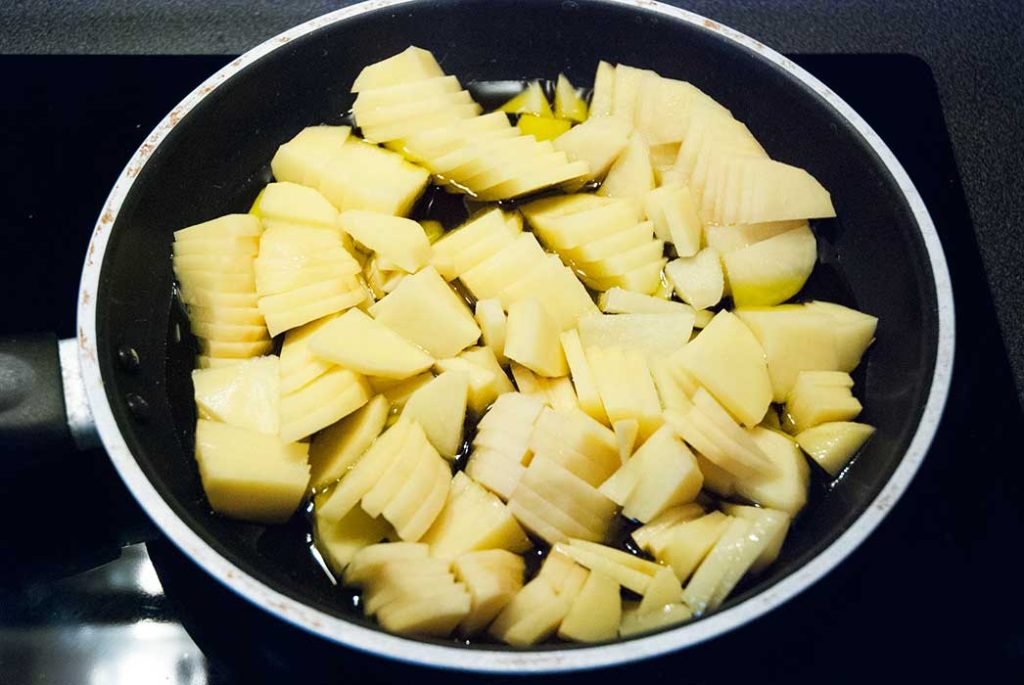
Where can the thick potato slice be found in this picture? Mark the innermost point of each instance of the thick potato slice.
(248, 475)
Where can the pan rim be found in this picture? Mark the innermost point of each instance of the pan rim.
(487, 660)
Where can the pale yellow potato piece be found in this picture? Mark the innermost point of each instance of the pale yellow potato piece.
(556, 288)
(598, 142)
(684, 545)
(557, 393)
(672, 392)
(652, 534)
(294, 308)
(368, 561)
(854, 331)
(663, 590)
(656, 335)
(321, 402)
(244, 394)
(618, 301)
(571, 222)
(661, 474)
(646, 279)
(728, 239)
(362, 344)
(773, 270)
(435, 616)
(492, 275)
(439, 406)
(398, 391)
(631, 175)
(409, 66)
(479, 238)
(623, 380)
(338, 541)
(487, 380)
(698, 280)
(365, 474)
(399, 240)
(544, 171)
(635, 622)
(336, 448)
(582, 378)
(492, 578)
(501, 444)
(729, 434)
(786, 488)
(729, 361)
(230, 226)
(364, 176)
(622, 261)
(302, 159)
(631, 572)
(225, 263)
(532, 339)
(794, 338)
(602, 102)
(490, 317)
(833, 444)
(406, 469)
(412, 507)
(424, 310)
(737, 549)
(564, 501)
(419, 520)
(401, 582)
(556, 431)
(299, 366)
(546, 446)
(533, 615)
(217, 281)
(473, 519)
(773, 525)
(229, 332)
(245, 316)
(248, 475)
(820, 397)
(595, 613)
(572, 496)
(490, 467)
(673, 212)
(294, 203)
(243, 246)
(234, 350)
(630, 83)
(773, 191)
(626, 433)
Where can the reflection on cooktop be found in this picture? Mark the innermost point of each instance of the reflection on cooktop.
(108, 626)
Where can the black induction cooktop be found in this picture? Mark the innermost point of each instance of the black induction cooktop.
(90, 592)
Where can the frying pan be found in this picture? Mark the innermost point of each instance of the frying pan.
(125, 379)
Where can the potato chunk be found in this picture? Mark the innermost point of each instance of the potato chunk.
(248, 475)
(244, 394)
(362, 344)
(532, 339)
(425, 311)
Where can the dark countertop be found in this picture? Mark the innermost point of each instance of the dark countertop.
(973, 47)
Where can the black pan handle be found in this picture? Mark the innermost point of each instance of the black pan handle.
(42, 401)
(44, 416)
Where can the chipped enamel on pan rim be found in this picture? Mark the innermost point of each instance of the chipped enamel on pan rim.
(486, 660)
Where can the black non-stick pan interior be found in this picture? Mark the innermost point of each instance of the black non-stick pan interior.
(216, 159)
